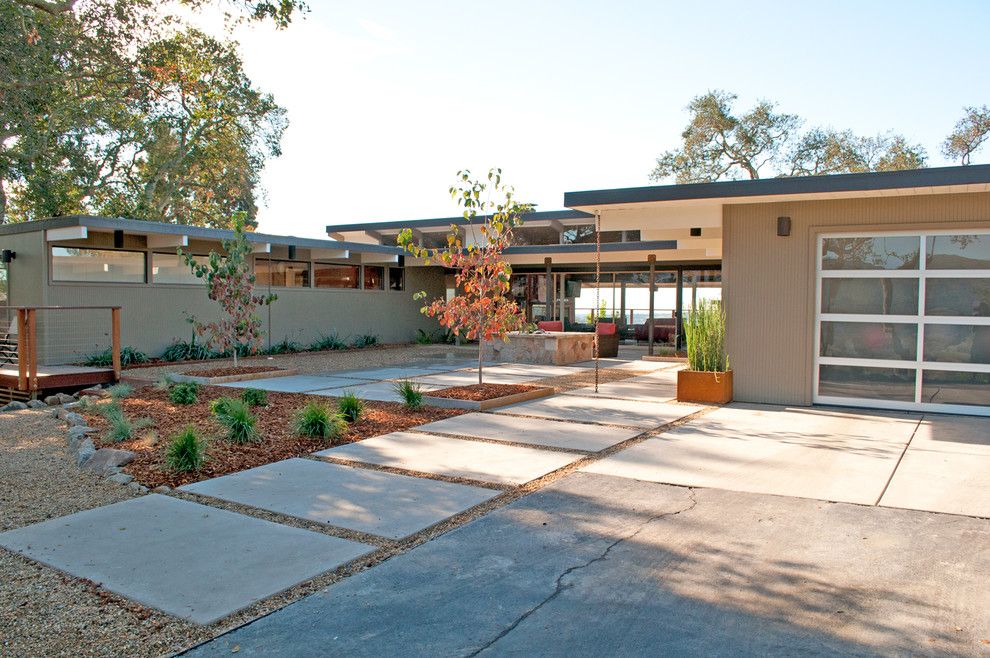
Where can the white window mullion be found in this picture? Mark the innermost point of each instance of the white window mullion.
(919, 355)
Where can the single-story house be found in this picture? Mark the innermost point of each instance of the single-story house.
(865, 289)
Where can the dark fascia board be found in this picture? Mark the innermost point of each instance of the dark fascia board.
(584, 248)
(199, 232)
(398, 225)
(873, 181)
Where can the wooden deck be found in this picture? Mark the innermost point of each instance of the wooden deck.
(55, 377)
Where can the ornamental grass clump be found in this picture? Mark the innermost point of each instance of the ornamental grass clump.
(120, 391)
(318, 421)
(121, 428)
(184, 393)
(255, 397)
(350, 407)
(236, 416)
(186, 451)
(704, 332)
(411, 394)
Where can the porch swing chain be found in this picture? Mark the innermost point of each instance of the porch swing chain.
(598, 287)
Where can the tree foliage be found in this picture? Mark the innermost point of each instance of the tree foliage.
(230, 283)
(115, 107)
(720, 143)
(483, 307)
(969, 134)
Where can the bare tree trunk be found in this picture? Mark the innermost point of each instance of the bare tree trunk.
(481, 347)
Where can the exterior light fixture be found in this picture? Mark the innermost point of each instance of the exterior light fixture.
(292, 252)
(696, 232)
(6, 256)
(118, 239)
(783, 226)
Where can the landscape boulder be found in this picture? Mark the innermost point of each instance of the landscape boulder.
(107, 460)
(73, 418)
(85, 450)
(16, 405)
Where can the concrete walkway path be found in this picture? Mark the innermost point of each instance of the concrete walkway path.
(597, 565)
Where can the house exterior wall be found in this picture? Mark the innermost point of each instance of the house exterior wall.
(154, 314)
(769, 281)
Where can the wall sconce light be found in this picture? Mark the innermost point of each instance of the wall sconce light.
(292, 252)
(7, 255)
(783, 226)
(696, 233)
(118, 239)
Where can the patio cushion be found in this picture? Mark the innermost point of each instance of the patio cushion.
(551, 325)
(606, 328)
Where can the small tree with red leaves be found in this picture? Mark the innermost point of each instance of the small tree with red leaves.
(230, 283)
(482, 309)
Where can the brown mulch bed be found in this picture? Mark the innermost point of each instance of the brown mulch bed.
(275, 426)
(479, 392)
(226, 372)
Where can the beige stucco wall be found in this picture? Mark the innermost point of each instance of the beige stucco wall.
(769, 281)
(154, 315)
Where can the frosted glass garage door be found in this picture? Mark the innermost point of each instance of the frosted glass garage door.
(903, 321)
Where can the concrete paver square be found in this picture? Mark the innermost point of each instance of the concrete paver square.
(192, 561)
(810, 453)
(375, 502)
(397, 372)
(295, 383)
(647, 388)
(379, 391)
(630, 413)
(946, 468)
(444, 366)
(543, 432)
(475, 460)
(538, 370)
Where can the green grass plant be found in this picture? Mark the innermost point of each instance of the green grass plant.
(704, 332)
(186, 451)
(255, 397)
(184, 393)
(411, 394)
(350, 406)
(318, 421)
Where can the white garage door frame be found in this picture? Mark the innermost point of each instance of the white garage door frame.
(919, 320)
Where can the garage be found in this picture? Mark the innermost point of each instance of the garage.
(903, 320)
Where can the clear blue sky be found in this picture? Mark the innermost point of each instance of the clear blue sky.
(387, 100)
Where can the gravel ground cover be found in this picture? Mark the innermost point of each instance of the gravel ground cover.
(239, 370)
(275, 426)
(42, 611)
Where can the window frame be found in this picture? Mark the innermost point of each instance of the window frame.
(52, 280)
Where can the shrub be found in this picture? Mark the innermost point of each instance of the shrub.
(285, 346)
(411, 394)
(318, 421)
(423, 338)
(121, 427)
(236, 416)
(365, 340)
(441, 337)
(219, 406)
(163, 383)
(120, 391)
(255, 397)
(184, 393)
(104, 359)
(704, 332)
(187, 351)
(350, 407)
(328, 342)
(186, 451)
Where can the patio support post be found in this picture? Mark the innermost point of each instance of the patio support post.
(653, 286)
(549, 288)
(680, 307)
(32, 349)
(22, 350)
(115, 341)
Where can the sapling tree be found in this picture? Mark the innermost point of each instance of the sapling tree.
(230, 283)
(483, 307)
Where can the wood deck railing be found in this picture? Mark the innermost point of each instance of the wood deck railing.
(27, 340)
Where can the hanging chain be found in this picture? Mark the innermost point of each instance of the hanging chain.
(598, 287)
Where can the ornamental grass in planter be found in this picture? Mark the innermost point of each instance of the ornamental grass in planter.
(708, 378)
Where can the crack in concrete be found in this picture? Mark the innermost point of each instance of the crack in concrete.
(560, 586)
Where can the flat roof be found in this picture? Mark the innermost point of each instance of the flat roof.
(862, 182)
(443, 222)
(139, 226)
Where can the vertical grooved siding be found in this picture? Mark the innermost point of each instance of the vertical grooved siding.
(769, 281)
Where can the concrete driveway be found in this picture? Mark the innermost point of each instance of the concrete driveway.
(927, 462)
(601, 565)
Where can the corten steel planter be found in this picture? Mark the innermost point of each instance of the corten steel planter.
(707, 387)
